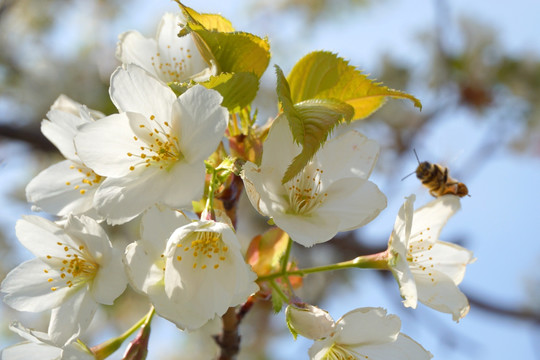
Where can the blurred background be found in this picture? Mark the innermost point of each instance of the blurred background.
(475, 65)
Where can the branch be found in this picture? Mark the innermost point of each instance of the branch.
(31, 135)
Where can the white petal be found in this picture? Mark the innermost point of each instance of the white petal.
(110, 280)
(50, 191)
(144, 268)
(28, 350)
(27, 288)
(41, 236)
(157, 225)
(86, 231)
(182, 185)
(201, 122)
(439, 292)
(61, 129)
(320, 348)
(264, 189)
(309, 321)
(367, 326)
(354, 201)
(71, 318)
(450, 259)
(181, 53)
(133, 48)
(404, 348)
(405, 278)
(134, 90)
(104, 145)
(348, 155)
(308, 230)
(429, 220)
(279, 148)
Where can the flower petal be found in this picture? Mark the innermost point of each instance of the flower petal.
(354, 201)
(349, 155)
(134, 90)
(143, 268)
(430, 219)
(71, 318)
(279, 148)
(399, 240)
(367, 326)
(447, 258)
(264, 189)
(27, 288)
(41, 236)
(28, 350)
(60, 189)
(110, 280)
(104, 146)
(308, 230)
(133, 48)
(61, 129)
(439, 292)
(405, 278)
(180, 52)
(201, 122)
(404, 348)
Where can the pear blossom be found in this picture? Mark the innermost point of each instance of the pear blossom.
(40, 343)
(191, 272)
(75, 268)
(329, 195)
(368, 333)
(309, 321)
(168, 57)
(427, 269)
(67, 187)
(153, 151)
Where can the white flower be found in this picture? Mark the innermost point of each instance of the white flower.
(169, 57)
(76, 268)
(67, 187)
(39, 343)
(368, 333)
(429, 270)
(309, 321)
(154, 150)
(331, 194)
(191, 272)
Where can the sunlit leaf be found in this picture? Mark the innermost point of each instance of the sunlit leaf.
(209, 21)
(310, 121)
(265, 251)
(324, 75)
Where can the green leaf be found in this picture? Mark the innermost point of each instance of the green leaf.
(238, 89)
(209, 21)
(324, 75)
(233, 51)
(277, 301)
(310, 122)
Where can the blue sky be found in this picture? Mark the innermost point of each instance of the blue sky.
(500, 217)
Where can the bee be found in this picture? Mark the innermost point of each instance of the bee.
(436, 178)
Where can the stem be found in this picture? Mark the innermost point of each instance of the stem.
(278, 291)
(208, 213)
(105, 349)
(285, 257)
(377, 261)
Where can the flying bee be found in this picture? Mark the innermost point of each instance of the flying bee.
(435, 177)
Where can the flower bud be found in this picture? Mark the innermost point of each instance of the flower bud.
(309, 321)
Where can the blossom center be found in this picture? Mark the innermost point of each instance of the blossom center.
(90, 178)
(305, 191)
(171, 68)
(203, 249)
(338, 352)
(73, 269)
(158, 147)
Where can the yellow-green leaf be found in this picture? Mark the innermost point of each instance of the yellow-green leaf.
(233, 51)
(209, 21)
(324, 75)
(238, 89)
(310, 121)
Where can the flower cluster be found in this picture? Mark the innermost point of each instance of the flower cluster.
(176, 155)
